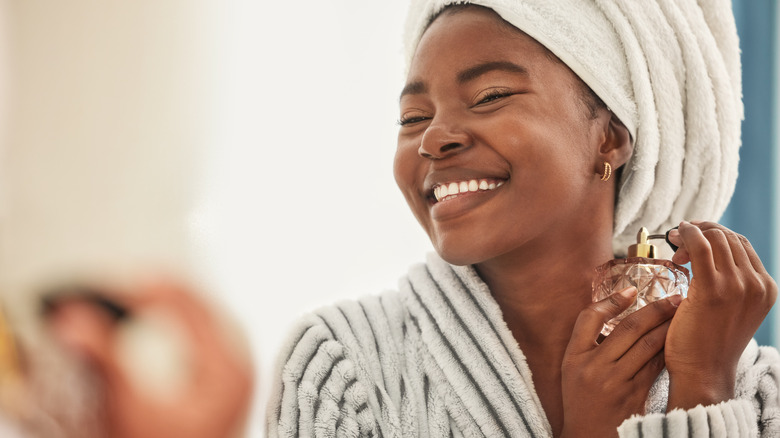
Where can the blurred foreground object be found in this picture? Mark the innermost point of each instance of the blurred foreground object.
(10, 369)
(11, 380)
(42, 393)
(158, 362)
(167, 367)
(107, 112)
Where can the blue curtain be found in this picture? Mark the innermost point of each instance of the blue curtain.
(751, 210)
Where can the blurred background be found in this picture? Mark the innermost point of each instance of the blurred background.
(248, 145)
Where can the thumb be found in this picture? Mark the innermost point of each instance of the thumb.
(591, 320)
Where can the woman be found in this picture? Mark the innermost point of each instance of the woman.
(503, 151)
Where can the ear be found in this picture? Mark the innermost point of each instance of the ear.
(616, 147)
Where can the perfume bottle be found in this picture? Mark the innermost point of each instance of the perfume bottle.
(654, 279)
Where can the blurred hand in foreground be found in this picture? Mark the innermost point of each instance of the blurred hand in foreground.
(213, 379)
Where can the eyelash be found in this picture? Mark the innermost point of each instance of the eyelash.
(487, 98)
(409, 120)
(493, 95)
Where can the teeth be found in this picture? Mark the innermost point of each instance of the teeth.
(451, 190)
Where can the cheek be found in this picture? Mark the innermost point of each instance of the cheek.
(407, 170)
(402, 167)
(549, 147)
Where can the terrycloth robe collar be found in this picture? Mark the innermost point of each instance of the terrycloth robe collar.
(463, 328)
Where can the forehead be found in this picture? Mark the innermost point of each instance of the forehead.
(473, 34)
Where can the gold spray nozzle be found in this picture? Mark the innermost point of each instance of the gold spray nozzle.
(642, 248)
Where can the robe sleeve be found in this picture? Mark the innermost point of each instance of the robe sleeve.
(755, 412)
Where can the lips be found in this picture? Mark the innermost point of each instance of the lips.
(451, 190)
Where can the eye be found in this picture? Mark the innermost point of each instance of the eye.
(409, 120)
(493, 95)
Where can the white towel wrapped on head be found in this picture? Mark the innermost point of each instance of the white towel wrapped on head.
(669, 70)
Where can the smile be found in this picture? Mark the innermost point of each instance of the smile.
(451, 190)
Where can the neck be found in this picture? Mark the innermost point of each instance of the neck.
(542, 288)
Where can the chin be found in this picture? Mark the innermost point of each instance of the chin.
(461, 251)
(455, 260)
(459, 255)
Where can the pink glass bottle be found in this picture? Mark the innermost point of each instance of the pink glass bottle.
(654, 279)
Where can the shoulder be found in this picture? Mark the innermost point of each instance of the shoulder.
(357, 327)
(339, 367)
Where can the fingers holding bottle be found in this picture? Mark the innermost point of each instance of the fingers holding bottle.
(605, 383)
(730, 295)
(724, 264)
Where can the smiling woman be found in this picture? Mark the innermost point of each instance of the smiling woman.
(516, 120)
(504, 156)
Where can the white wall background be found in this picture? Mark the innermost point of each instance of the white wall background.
(300, 208)
(248, 142)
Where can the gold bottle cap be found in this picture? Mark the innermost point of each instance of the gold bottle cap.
(642, 248)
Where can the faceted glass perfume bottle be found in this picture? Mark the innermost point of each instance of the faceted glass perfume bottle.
(653, 278)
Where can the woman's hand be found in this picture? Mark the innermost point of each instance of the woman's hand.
(210, 401)
(731, 293)
(604, 384)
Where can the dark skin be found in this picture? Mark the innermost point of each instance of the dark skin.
(730, 295)
(486, 102)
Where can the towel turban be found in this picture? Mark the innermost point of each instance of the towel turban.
(669, 70)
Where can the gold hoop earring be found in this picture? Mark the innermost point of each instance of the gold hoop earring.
(607, 172)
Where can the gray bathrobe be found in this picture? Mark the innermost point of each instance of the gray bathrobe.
(436, 359)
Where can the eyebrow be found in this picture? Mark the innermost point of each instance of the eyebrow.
(486, 67)
(471, 73)
(418, 87)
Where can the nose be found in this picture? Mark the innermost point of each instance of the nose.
(441, 140)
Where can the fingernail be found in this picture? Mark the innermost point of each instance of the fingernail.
(674, 233)
(628, 292)
(685, 224)
(675, 300)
